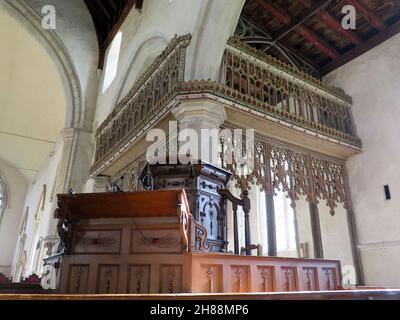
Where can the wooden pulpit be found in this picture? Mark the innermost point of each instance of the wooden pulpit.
(149, 242)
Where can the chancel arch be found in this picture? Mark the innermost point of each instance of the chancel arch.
(45, 114)
(54, 46)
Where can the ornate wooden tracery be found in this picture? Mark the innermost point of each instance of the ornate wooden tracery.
(249, 78)
(280, 86)
(292, 170)
(143, 101)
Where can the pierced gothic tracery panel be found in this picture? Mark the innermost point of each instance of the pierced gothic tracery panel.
(294, 171)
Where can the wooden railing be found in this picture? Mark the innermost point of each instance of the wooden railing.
(285, 91)
(150, 93)
(248, 78)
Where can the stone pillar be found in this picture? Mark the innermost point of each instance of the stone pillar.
(100, 184)
(200, 122)
(73, 170)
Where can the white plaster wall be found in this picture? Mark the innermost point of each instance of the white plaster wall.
(335, 234)
(373, 82)
(9, 227)
(146, 34)
(77, 35)
(258, 219)
(76, 31)
(48, 176)
(303, 221)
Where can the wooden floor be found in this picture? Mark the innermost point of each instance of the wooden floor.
(358, 294)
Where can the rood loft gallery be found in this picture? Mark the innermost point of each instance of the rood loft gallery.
(200, 146)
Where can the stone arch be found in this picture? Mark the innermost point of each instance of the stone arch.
(215, 23)
(150, 47)
(31, 21)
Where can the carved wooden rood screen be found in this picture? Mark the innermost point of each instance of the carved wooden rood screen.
(249, 79)
(293, 170)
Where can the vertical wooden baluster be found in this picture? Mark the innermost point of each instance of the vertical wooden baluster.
(235, 228)
(246, 209)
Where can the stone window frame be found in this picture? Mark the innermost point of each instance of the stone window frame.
(4, 196)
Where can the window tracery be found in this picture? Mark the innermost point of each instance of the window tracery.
(4, 197)
(280, 167)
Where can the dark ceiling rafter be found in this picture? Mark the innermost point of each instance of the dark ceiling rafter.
(368, 14)
(364, 47)
(108, 16)
(333, 23)
(303, 30)
(314, 28)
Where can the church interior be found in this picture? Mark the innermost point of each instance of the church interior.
(200, 147)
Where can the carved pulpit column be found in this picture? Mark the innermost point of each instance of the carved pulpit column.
(101, 184)
(203, 118)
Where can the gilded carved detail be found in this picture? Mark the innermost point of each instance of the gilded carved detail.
(292, 97)
(143, 101)
(249, 80)
(290, 69)
(294, 171)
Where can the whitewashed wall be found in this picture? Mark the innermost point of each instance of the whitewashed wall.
(373, 82)
(47, 176)
(145, 34)
(9, 227)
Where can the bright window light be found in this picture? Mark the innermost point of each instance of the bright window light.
(112, 61)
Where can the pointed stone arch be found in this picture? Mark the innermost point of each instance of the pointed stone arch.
(31, 21)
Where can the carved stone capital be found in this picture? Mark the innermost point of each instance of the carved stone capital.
(100, 183)
(200, 115)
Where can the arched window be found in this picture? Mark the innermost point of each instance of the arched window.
(112, 61)
(3, 196)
